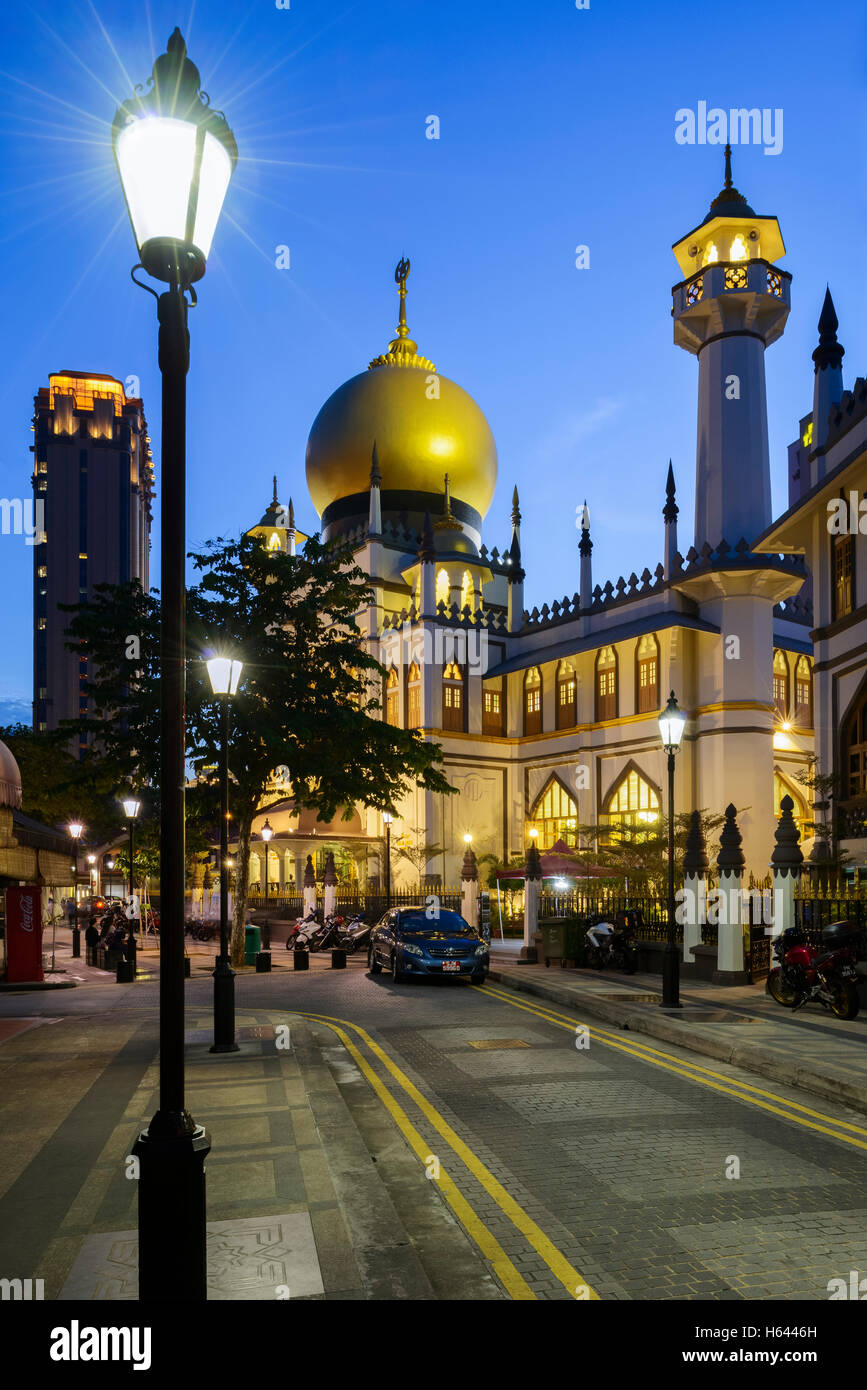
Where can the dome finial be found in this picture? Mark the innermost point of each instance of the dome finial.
(274, 502)
(729, 201)
(516, 510)
(728, 179)
(447, 522)
(402, 350)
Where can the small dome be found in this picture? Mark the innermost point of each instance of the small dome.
(10, 779)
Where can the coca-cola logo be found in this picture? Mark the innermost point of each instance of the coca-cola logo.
(27, 913)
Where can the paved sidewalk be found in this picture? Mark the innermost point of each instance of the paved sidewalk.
(742, 1025)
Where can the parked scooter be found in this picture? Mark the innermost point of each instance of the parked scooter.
(303, 930)
(355, 935)
(804, 973)
(610, 945)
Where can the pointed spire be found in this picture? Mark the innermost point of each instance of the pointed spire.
(731, 856)
(671, 509)
(374, 516)
(516, 511)
(274, 502)
(728, 155)
(290, 523)
(447, 522)
(426, 550)
(829, 353)
(585, 545)
(729, 197)
(402, 350)
(788, 856)
(516, 573)
(375, 475)
(695, 860)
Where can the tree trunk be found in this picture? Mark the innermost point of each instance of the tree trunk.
(242, 874)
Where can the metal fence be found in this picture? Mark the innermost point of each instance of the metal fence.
(604, 906)
(352, 903)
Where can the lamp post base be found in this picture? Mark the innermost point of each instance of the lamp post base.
(671, 978)
(172, 1257)
(224, 1007)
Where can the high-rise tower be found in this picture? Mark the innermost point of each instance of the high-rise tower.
(733, 302)
(93, 475)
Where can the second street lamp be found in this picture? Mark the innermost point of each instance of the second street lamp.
(75, 830)
(671, 724)
(131, 808)
(267, 832)
(224, 675)
(387, 819)
(175, 156)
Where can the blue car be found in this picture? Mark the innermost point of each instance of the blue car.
(407, 941)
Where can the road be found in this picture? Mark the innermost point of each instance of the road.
(581, 1162)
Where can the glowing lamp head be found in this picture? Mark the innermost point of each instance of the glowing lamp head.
(468, 839)
(267, 831)
(224, 674)
(534, 834)
(175, 157)
(91, 859)
(130, 807)
(387, 817)
(76, 830)
(109, 864)
(671, 725)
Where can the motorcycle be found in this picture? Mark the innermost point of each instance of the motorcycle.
(805, 972)
(303, 931)
(355, 935)
(611, 945)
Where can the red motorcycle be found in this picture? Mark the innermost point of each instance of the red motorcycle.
(827, 975)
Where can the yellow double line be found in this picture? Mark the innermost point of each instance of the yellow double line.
(511, 1279)
(692, 1071)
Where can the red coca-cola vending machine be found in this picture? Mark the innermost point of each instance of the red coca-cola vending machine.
(24, 935)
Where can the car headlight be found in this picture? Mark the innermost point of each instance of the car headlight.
(482, 950)
(413, 950)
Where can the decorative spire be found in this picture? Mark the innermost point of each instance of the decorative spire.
(309, 874)
(695, 860)
(533, 868)
(729, 194)
(274, 502)
(671, 509)
(447, 522)
(375, 475)
(731, 856)
(787, 857)
(516, 511)
(290, 523)
(516, 572)
(426, 550)
(329, 878)
(402, 350)
(585, 545)
(470, 867)
(829, 353)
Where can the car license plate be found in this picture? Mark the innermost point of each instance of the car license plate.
(451, 965)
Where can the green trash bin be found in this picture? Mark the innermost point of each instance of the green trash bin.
(561, 939)
(252, 944)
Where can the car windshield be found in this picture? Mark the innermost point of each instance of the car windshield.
(444, 922)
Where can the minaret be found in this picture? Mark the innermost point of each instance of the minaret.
(585, 550)
(290, 529)
(828, 386)
(732, 303)
(669, 512)
(374, 523)
(516, 514)
(516, 587)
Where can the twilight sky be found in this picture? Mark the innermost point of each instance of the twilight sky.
(557, 129)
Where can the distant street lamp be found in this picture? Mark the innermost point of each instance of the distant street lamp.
(266, 832)
(75, 830)
(671, 725)
(387, 818)
(175, 156)
(224, 675)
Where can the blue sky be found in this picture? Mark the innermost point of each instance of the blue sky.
(556, 129)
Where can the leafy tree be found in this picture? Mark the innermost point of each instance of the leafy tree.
(639, 853)
(58, 787)
(417, 851)
(309, 697)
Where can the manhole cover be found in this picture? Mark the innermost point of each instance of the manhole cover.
(200, 1035)
(715, 1016)
(496, 1044)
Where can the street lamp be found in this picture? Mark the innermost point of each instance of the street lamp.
(224, 674)
(175, 156)
(671, 725)
(75, 830)
(131, 808)
(266, 832)
(387, 819)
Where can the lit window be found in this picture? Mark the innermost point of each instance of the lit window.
(567, 688)
(391, 698)
(781, 684)
(533, 701)
(631, 805)
(804, 693)
(711, 254)
(453, 698)
(555, 816)
(443, 587)
(42, 572)
(648, 674)
(41, 622)
(413, 696)
(492, 712)
(606, 684)
(738, 250)
(843, 566)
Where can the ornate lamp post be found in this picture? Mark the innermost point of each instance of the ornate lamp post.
(131, 808)
(387, 818)
(75, 830)
(224, 674)
(266, 832)
(671, 725)
(175, 157)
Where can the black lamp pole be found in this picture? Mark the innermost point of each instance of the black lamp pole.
(387, 864)
(671, 955)
(224, 975)
(172, 1149)
(131, 851)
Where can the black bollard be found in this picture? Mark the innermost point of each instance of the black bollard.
(76, 942)
(338, 958)
(301, 960)
(263, 962)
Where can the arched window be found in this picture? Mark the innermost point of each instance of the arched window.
(633, 803)
(842, 575)
(392, 709)
(781, 683)
(567, 695)
(804, 692)
(493, 713)
(443, 587)
(466, 591)
(647, 674)
(606, 684)
(855, 751)
(453, 698)
(555, 816)
(413, 696)
(533, 701)
(782, 788)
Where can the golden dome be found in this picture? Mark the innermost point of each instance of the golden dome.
(423, 424)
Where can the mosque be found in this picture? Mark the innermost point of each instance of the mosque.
(548, 719)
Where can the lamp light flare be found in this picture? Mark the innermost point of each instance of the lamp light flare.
(224, 674)
(671, 725)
